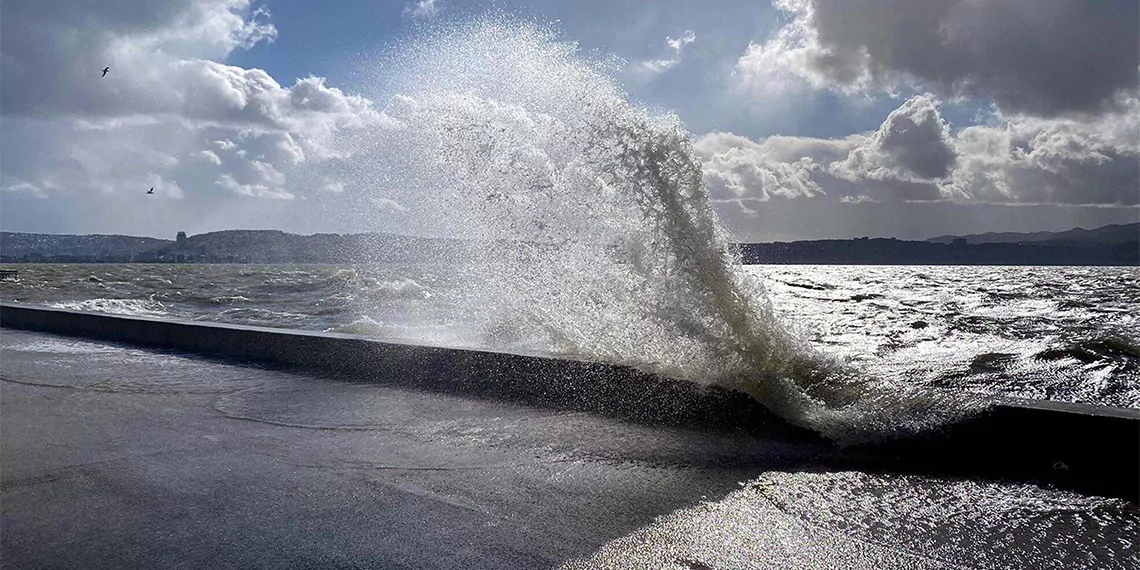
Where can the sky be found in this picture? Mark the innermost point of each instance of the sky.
(812, 119)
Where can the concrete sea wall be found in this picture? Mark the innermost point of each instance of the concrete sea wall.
(1092, 449)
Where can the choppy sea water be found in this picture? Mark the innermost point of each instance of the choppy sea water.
(1057, 333)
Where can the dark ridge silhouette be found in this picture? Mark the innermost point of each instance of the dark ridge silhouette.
(1109, 245)
(229, 246)
(1115, 233)
(867, 251)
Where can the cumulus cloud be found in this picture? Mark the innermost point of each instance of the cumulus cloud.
(914, 156)
(737, 169)
(422, 9)
(1024, 159)
(388, 204)
(910, 153)
(678, 44)
(209, 156)
(171, 113)
(913, 144)
(165, 188)
(793, 57)
(54, 52)
(1040, 57)
(676, 48)
(255, 190)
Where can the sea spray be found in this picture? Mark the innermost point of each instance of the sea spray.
(589, 229)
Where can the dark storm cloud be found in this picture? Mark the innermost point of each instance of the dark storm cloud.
(1042, 57)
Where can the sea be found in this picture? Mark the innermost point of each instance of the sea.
(1054, 333)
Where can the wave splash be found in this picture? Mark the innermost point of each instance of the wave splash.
(132, 307)
(591, 232)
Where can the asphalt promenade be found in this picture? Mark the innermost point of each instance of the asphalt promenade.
(114, 456)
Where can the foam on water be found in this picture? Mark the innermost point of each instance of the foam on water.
(591, 230)
(137, 307)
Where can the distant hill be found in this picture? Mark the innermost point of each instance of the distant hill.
(1110, 245)
(19, 245)
(898, 252)
(1113, 234)
(231, 246)
(272, 246)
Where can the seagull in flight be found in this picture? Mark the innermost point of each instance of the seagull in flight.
(151, 191)
(105, 70)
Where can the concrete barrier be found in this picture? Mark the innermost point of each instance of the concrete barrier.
(571, 384)
(1087, 448)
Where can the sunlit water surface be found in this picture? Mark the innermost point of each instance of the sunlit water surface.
(1060, 333)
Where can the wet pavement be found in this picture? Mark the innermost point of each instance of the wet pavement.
(113, 456)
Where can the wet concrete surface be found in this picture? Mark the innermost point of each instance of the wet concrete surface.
(113, 456)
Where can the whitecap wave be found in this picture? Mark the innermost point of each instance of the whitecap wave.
(402, 289)
(139, 307)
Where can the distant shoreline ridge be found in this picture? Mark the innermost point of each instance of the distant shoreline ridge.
(1109, 245)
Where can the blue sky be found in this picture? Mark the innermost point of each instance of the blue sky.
(812, 118)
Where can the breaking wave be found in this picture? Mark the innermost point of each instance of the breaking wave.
(591, 230)
(138, 307)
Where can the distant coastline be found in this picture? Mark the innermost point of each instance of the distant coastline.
(898, 252)
(229, 246)
(1109, 245)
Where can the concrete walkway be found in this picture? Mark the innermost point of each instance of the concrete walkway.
(117, 457)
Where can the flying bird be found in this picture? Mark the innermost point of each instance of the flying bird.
(105, 70)
(151, 191)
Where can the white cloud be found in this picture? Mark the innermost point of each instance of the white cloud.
(170, 109)
(209, 156)
(17, 186)
(255, 190)
(388, 204)
(663, 64)
(423, 9)
(858, 200)
(165, 188)
(914, 156)
(794, 58)
(908, 155)
(678, 44)
(736, 168)
(1022, 159)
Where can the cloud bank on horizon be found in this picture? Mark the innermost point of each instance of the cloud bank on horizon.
(1010, 114)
